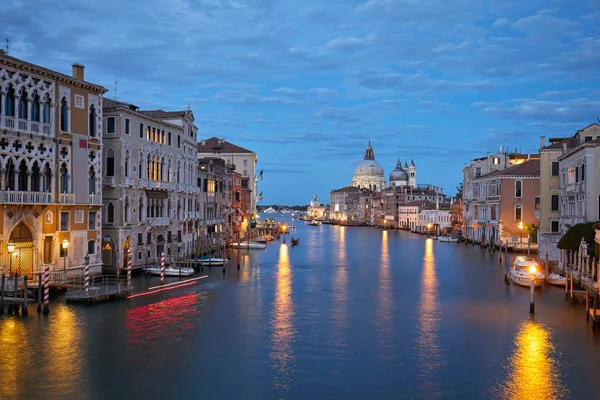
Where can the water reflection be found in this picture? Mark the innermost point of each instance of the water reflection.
(339, 306)
(384, 294)
(169, 322)
(532, 369)
(282, 325)
(428, 351)
(16, 356)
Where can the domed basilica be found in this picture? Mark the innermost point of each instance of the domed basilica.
(369, 174)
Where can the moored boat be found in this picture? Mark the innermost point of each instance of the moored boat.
(315, 223)
(295, 242)
(170, 271)
(249, 245)
(557, 279)
(521, 272)
(447, 239)
(212, 261)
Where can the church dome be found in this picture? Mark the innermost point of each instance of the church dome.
(399, 174)
(368, 168)
(369, 173)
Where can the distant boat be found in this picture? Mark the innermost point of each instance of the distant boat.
(315, 223)
(212, 261)
(295, 242)
(170, 271)
(270, 210)
(446, 239)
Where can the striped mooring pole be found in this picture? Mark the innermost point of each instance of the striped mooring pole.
(46, 289)
(162, 268)
(128, 269)
(87, 276)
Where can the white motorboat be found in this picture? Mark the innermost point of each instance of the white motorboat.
(170, 271)
(249, 245)
(521, 275)
(315, 223)
(557, 279)
(213, 261)
(447, 239)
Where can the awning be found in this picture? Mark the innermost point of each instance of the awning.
(156, 194)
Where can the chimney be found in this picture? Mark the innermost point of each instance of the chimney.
(564, 146)
(78, 71)
(488, 160)
(542, 141)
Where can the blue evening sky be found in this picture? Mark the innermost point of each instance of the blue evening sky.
(305, 84)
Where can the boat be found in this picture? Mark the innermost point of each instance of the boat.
(447, 239)
(557, 279)
(295, 242)
(270, 210)
(170, 271)
(212, 261)
(249, 245)
(521, 275)
(261, 239)
(315, 223)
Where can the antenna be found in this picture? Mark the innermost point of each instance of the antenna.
(7, 45)
(116, 87)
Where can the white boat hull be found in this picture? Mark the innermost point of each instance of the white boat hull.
(251, 245)
(212, 261)
(555, 279)
(447, 239)
(171, 271)
(523, 280)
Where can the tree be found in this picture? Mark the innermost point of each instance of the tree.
(572, 239)
(531, 230)
(459, 191)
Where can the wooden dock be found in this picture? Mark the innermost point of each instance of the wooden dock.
(101, 288)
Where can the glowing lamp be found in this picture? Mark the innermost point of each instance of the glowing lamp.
(521, 225)
(65, 244)
(11, 248)
(532, 270)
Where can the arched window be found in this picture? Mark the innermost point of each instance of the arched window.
(35, 108)
(110, 213)
(10, 175)
(518, 189)
(140, 169)
(23, 176)
(179, 210)
(518, 213)
(149, 168)
(47, 181)
(141, 209)
(110, 163)
(127, 210)
(162, 169)
(169, 171)
(46, 110)
(169, 208)
(178, 170)
(92, 181)
(92, 121)
(22, 114)
(9, 103)
(64, 115)
(126, 172)
(35, 177)
(64, 178)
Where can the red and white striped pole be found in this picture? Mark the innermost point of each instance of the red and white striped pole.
(162, 268)
(87, 275)
(128, 269)
(46, 288)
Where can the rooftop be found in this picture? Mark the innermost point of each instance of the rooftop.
(161, 114)
(527, 168)
(215, 145)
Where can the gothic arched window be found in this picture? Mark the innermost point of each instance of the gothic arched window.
(110, 213)
(23, 176)
(92, 121)
(92, 181)
(46, 110)
(47, 181)
(9, 103)
(64, 115)
(64, 179)
(35, 177)
(22, 114)
(35, 108)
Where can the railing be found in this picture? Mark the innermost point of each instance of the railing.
(9, 122)
(24, 125)
(143, 182)
(109, 181)
(96, 199)
(26, 197)
(128, 181)
(158, 221)
(67, 198)
(181, 187)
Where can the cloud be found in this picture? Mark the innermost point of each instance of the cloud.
(347, 44)
(500, 22)
(573, 110)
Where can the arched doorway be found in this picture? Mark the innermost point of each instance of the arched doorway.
(108, 253)
(22, 257)
(160, 245)
(126, 246)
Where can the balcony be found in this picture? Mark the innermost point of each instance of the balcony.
(109, 181)
(26, 197)
(25, 126)
(181, 187)
(128, 181)
(158, 221)
(95, 199)
(67, 198)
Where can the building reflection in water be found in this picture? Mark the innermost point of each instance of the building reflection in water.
(428, 351)
(169, 321)
(384, 293)
(532, 371)
(339, 306)
(15, 355)
(283, 330)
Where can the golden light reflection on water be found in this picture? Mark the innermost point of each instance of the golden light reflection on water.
(15, 356)
(340, 291)
(282, 324)
(384, 294)
(430, 359)
(532, 369)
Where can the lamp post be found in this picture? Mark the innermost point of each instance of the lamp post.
(65, 245)
(428, 229)
(11, 249)
(384, 224)
(284, 227)
(521, 233)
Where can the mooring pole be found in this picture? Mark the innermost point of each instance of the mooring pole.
(24, 309)
(2, 295)
(546, 266)
(46, 310)
(39, 299)
(532, 294)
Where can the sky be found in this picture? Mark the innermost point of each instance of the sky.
(306, 84)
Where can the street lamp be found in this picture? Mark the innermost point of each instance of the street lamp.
(284, 227)
(428, 229)
(521, 231)
(11, 249)
(532, 271)
(65, 245)
(384, 224)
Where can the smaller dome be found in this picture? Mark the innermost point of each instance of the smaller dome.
(399, 174)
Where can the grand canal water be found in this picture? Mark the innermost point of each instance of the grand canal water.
(350, 313)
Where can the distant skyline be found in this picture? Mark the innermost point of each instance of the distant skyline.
(307, 84)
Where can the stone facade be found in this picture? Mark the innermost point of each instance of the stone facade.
(50, 167)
